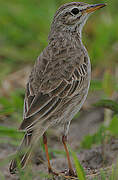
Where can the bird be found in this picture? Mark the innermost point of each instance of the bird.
(58, 84)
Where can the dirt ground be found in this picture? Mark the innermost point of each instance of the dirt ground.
(92, 160)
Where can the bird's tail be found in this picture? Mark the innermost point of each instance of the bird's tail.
(23, 153)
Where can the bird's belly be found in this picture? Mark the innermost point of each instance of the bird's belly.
(72, 107)
(77, 103)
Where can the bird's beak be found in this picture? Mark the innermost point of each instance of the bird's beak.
(93, 8)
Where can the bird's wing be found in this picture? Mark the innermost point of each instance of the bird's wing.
(53, 86)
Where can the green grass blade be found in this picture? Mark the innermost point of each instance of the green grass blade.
(106, 103)
(10, 132)
(80, 171)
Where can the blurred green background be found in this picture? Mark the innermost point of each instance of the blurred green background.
(25, 24)
(24, 28)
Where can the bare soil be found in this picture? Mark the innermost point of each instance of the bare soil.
(88, 122)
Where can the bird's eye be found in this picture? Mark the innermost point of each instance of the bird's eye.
(75, 11)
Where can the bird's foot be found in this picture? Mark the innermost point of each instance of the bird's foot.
(69, 172)
(72, 173)
(52, 172)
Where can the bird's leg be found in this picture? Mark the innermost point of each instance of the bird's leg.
(64, 140)
(47, 154)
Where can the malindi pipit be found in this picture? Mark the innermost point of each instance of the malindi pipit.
(59, 82)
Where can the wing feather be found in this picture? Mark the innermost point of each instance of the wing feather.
(41, 105)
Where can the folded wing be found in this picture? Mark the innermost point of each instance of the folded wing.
(39, 106)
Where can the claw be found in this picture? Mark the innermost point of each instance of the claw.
(71, 173)
(52, 172)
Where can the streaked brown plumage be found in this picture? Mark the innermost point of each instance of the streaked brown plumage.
(59, 81)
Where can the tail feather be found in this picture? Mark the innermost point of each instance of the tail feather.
(23, 153)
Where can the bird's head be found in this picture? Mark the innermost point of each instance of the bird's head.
(72, 15)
